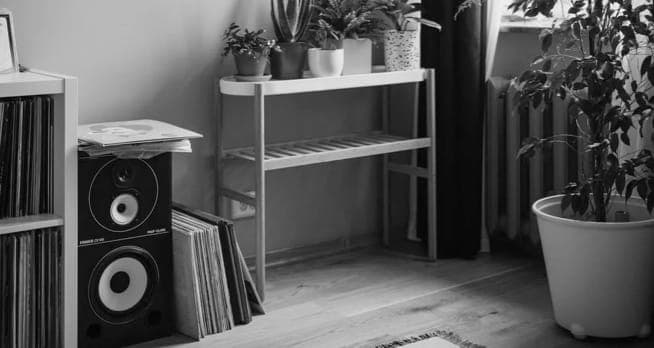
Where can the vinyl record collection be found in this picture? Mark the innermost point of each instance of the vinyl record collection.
(30, 289)
(26, 156)
(213, 288)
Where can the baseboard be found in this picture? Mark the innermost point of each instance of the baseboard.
(303, 253)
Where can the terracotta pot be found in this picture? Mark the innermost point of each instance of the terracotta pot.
(358, 56)
(287, 60)
(326, 62)
(251, 65)
(402, 50)
(599, 273)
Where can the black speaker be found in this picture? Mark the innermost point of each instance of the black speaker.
(125, 250)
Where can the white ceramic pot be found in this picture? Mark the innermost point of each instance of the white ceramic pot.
(325, 62)
(402, 50)
(358, 56)
(601, 275)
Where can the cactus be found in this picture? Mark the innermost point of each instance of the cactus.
(290, 19)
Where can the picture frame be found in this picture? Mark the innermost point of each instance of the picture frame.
(8, 53)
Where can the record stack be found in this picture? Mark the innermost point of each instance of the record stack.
(213, 288)
(30, 289)
(26, 155)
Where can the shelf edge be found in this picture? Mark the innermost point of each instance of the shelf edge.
(29, 223)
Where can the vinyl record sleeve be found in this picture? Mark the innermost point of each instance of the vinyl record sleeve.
(132, 132)
(185, 286)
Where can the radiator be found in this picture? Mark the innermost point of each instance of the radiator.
(513, 184)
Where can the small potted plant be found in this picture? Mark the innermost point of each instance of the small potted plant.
(250, 50)
(327, 59)
(401, 42)
(291, 20)
(354, 19)
(598, 236)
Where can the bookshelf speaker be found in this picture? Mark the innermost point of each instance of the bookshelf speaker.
(124, 251)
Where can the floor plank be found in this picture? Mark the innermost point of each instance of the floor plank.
(364, 298)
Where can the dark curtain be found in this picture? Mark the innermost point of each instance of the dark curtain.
(457, 55)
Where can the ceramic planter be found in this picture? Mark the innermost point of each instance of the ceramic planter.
(324, 63)
(402, 50)
(287, 60)
(251, 65)
(358, 56)
(600, 274)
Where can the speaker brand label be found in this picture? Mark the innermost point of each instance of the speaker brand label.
(158, 230)
(91, 241)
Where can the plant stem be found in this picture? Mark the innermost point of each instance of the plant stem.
(597, 185)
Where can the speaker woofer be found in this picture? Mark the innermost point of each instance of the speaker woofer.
(121, 285)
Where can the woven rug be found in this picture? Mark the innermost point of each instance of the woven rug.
(436, 339)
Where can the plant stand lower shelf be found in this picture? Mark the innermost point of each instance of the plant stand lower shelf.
(268, 157)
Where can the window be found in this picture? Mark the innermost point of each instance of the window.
(516, 21)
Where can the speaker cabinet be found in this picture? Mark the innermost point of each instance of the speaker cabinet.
(125, 251)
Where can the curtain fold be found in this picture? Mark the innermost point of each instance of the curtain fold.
(457, 55)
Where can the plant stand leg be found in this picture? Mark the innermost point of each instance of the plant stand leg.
(219, 208)
(412, 229)
(432, 239)
(385, 175)
(260, 188)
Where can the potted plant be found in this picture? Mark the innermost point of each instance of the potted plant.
(250, 50)
(291, 20)
(598, 236)
(354, 19)
(401, 42)
(327, 59)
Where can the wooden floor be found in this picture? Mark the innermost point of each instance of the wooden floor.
(368, 297)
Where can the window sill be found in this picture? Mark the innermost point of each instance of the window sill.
(511, 25)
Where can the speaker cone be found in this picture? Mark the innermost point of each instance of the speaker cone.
(122, 284)
(124, 209)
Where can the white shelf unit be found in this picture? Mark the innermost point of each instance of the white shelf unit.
(64, 91)
(268, 157)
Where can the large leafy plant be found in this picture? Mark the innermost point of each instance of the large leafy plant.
(342, 19)
(397, 14)
(251, 43)
(582, 60)
(290, 18)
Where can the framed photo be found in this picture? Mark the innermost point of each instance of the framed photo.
(8, 54)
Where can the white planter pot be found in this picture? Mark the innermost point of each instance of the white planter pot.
(601, 275)
(325, 62)
(358, 56)
(402, 50)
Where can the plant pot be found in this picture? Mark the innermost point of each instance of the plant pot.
(358, 56)
(287, 60)
(324, 63)
(600, 274)
(402, 50)
(251, 65)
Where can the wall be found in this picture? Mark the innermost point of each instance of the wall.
(158, 59)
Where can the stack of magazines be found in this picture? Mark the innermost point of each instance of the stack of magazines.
(213, 288)
(30, 289)
(26, 155)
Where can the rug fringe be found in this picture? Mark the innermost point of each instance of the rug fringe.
(446, 335)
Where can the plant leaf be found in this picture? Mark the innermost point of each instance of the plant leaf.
(620, 181)
(630, 189)
(643, 189)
